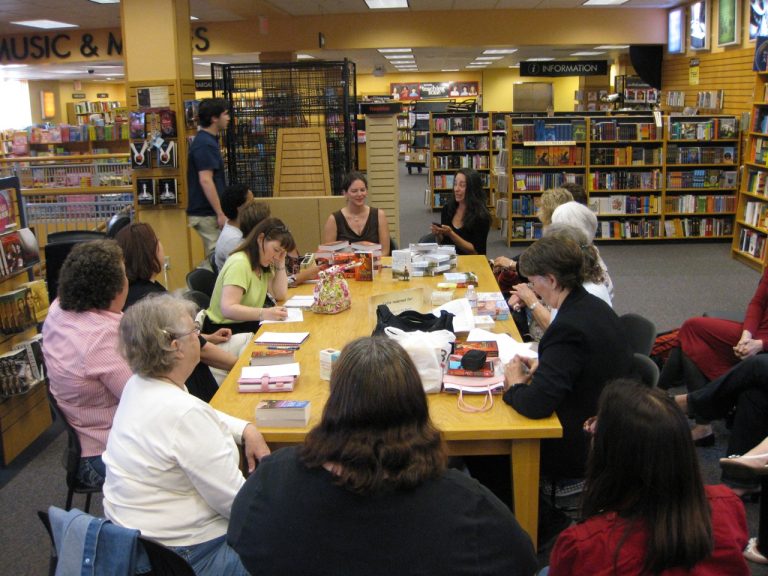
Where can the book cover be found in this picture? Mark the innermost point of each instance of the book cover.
(267, 357)
(333, 246)
(366, 271)
(15, 373)
(140, 154)
(34, 350)
(7, 212)
(37, 299)
(168, 123)
(490, 347)
(15, 314)
(137, 126)
(455, 369)
(167, 191)
(283, 413)
(12, 253)
(190, 114)
(166, 155)
(145, 191)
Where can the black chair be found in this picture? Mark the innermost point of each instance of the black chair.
(212, 262)
(201, 280)
(645, 369)
(202, 300)
(117, 223)
(58, 246)
(640, 332)
(71, 459)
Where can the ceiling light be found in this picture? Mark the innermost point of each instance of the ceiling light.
(474, 66)
(386, 4)
(45, 24)
(500, 51)
(481, 58)
(304, 57)
(70, 72)
(586, 53)
(604, 2)
(612, 47)
(539, 59)
(194, 18)
(394, 50)
(13, 65)
(399, 56)
(449, 70)
(514, 65)
(105, 1)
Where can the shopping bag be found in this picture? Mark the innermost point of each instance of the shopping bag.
(429, 351)
(411, 320)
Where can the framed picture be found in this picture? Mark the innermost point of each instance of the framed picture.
(699, 26)
(728, 22)
(676, 31)
(758, 19)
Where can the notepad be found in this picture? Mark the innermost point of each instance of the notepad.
(282, 337)
(294, 315)
(299, 301)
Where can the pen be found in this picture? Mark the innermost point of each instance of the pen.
(282, 347)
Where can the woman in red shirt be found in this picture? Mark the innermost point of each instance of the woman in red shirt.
(646, 509)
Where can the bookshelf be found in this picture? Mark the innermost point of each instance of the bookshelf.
(751, 228)
(95, 112)
(644, 182)
(543, 153)
(458, 140)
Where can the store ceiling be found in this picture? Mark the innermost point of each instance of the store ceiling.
(89, 15)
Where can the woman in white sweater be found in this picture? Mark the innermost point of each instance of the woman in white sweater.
(171, 459)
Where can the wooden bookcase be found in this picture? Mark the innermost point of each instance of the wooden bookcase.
(458, 140)
(751, 231)
(644, 182)
(82, 112)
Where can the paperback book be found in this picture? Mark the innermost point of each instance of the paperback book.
(283, 413)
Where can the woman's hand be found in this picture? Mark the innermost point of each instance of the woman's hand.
(519, 371)
(440, 230)
(504, 262)
(255, 446)
(274, 313)
(525, 294)
(748, 348)
(515, 303)
(220, 336)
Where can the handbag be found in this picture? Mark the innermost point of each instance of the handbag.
(331, 294)
(411, 320)
(488, 387)
(429, 351)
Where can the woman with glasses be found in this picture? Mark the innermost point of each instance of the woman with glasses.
(645, 507)
(255, 268)
(172, 460)
(144, 258)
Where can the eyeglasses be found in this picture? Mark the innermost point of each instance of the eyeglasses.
(195, 331)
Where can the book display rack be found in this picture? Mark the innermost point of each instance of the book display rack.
(644, 181)
(749, 238)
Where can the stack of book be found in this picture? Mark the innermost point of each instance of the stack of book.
(361, 259)
(282, 413)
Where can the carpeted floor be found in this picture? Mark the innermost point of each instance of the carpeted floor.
(665, 282)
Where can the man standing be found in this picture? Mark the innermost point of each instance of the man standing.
(205, 173)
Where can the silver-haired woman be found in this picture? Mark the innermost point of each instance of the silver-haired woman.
(171, 459)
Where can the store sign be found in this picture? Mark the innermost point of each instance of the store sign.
(433, 90)
(693, 72)
(78, 95)
(380, 108)
(565, 68)
(102, 95)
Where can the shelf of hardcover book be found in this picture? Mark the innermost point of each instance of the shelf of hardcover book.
(629, 229)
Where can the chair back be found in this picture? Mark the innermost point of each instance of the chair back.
(640, 333)
(201, 280)
(71, 458)
(212, 262)
(201, 300)
(645, 369)
(58, 246)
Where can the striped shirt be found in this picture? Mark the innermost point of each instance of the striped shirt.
(86, 372)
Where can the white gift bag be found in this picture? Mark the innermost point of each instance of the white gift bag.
(429, 352)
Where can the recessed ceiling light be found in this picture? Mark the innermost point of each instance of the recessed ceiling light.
(405, 65)
(399, 56)
(586, 53)
(481, 58)
(194, 18)
(106, 1)
(500, 51)
(45, 24)
(474, 66)
(386, 4)
(612, 47)
(394, 50)
(604, 2)
(539, 59)
(449, 70)
(304, 57)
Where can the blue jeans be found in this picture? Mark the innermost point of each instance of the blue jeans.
(212, 558)
(92, 472)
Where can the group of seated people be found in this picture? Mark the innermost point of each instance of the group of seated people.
(130, 369)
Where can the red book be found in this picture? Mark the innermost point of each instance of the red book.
(490, 347)
(455, 369)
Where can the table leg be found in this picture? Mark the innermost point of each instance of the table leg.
(525, 483)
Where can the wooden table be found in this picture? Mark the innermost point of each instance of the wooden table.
(499, 431)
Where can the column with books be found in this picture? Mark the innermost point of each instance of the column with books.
(751, 230)
(701, 184)
(458, 140)
(24, 412)
(543, 153)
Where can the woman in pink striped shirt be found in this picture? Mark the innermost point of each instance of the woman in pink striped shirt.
(80, 337)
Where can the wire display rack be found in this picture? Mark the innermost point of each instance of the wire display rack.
(75, 175)
(265, 97)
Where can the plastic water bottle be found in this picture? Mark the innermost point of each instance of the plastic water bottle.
(472, 297)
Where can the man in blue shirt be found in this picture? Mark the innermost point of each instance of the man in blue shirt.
(205, 173)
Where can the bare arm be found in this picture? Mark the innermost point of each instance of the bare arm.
(215, 357)
(384, 239)
(329, 230)
(231, 307)
(209, 189)
(278, 284)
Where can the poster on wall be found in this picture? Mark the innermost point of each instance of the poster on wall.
(676, 31)
(433, 90)
(758, 18)
(698, 29)
(728, 22)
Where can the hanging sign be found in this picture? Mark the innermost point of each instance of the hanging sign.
(565, 68)
(693, 72)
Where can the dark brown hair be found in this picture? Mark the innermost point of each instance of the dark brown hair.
(251, 214)
(643, 466)
(273, 229)
(577, 191)
(350, 179)
(139, 245)
(91, 276)
(375, 426)
(563, 258)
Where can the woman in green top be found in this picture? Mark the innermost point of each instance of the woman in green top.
(254, 268)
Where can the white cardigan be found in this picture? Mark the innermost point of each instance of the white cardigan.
(172, 464)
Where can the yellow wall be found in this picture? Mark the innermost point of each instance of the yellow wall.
(370, 84)
(63, 93)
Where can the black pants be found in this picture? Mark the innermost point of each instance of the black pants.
(745, 388)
